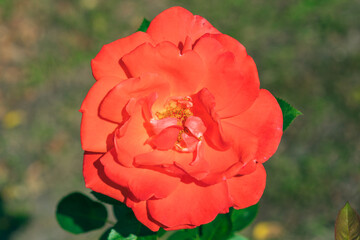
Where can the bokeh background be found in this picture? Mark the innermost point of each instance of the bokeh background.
(307, 52)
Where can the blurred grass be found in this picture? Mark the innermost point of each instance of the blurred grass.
(307, 52)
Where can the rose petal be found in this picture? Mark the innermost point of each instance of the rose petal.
(178, 164)
(187, 45)
(156, 158)
(130, 139)
(247, 190)
(231, 45)
(176, 23)
(96, 133)
(248, 168)
(195, 125)
(204, 104)
(264, 120)
(107, 61)
(190, 204)
(166, 139)
(189, 143)
(198, 168)
(147, 103)
(114, 102)
(231, 78)
(142, 183)
(159, 125)
(228, 163)
(96, 180)
(183, 72)
(178, 227)
(164, 161)
(141, 213)
(219, 163)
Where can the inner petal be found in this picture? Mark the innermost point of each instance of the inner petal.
(178, 113)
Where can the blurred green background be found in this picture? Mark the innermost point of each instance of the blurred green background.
(307, 52)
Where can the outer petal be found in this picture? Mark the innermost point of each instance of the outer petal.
(141, 213)
(231, 78)
(184, 72)
(231, 45)
(247, 190)
(96, 180)
(107, 61)
(177, 23)
(142, 183)
(186, 226)
(190, 204)
(96, 133)
(264, 120)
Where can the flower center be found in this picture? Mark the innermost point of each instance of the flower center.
(192, 127)
(176, 108)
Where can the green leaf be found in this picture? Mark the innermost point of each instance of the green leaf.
(347, 225)
(77, 213)
(243, 217)
(144, 25)
(238, 237)
(219, 229)
(114, 235)
(186, 234)
(105, 199)
(128, 224)
(289, 112)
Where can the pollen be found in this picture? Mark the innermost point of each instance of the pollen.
(180, 109)
(176, 108)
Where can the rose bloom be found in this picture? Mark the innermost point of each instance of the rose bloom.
(176, 125)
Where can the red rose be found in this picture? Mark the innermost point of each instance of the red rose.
(176, 126)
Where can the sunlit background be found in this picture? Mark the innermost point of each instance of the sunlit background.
(307, 52)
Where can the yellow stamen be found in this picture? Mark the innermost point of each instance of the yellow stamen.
(180, 110)
(176, 110)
